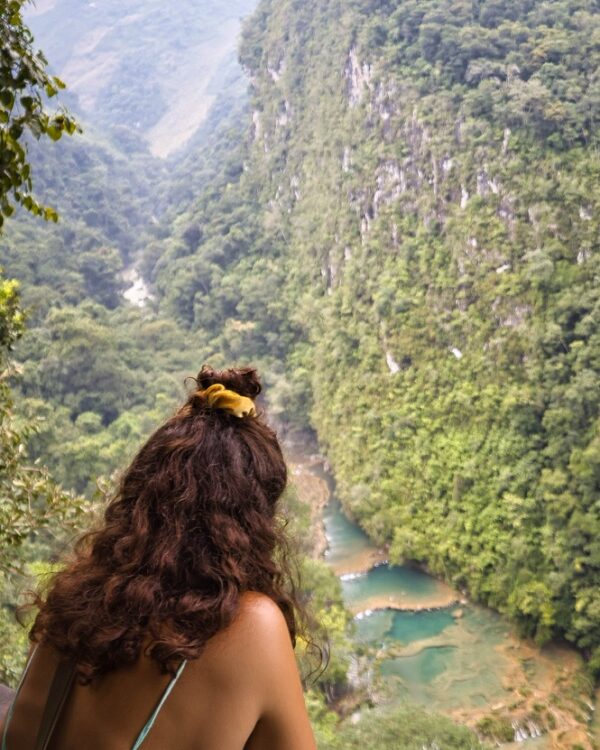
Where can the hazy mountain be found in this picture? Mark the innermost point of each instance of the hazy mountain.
(151, 66)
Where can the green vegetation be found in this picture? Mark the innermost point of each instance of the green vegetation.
(32, 506)
(29, 499)
(400, 231)
(406, 728)
(497, 727)
(36, 514)
(434, 183)
(323, 598)
(24, 82)
(99, 372)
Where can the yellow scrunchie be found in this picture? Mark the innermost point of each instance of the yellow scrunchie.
(219, 397)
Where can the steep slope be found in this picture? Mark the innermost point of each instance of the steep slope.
(409, 243)
(101, 374)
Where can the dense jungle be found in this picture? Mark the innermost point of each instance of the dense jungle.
(391, 209)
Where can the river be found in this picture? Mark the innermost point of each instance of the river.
(436, 649)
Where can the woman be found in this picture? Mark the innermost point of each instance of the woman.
(173, 626)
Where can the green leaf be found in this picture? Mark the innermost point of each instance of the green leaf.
(16, 130)
(7, 98)
(54, 132)
(27, 102)
(50, 214)
(72, 127)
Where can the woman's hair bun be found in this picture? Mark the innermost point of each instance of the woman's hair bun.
(242, 380)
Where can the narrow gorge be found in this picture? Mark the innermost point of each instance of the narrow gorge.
(391, 209)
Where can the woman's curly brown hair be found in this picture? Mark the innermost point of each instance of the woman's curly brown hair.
(192, 526)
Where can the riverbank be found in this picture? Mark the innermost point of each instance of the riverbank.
(546, 696)
(308, 477)
(312, 490)
(401, 603)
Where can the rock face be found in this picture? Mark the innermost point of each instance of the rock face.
(434, 189)
(137, 292)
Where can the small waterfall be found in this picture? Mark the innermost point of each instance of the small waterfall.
(525, 732)
(521, 734)
(137, 293)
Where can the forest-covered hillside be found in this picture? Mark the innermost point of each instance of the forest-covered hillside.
(400, 231)
(409, 243)
(93, 374)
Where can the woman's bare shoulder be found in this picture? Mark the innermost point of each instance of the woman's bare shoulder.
(257, 635)
(252, 663)
(259, 610)
(258, 629)
(245, 658)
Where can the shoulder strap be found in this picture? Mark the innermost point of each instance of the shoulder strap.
(6, 698)
(59, 689)
(150, 723)
(17, 691)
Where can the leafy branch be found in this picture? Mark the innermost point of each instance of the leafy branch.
(25, 87)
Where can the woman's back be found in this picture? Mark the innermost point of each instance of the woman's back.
(243, 692)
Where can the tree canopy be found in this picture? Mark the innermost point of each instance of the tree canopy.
(25, 87)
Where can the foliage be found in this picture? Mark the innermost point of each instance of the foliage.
(24, 86)
(29, 499)
(401, 232)
(496, 727)
(407, 727)
(33, 508)
(329, 623)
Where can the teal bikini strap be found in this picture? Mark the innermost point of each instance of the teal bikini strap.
(12, 703)
(149, 724)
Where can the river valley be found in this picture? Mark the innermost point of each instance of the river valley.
(430, 646)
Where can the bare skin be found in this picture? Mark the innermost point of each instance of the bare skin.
(243, 693)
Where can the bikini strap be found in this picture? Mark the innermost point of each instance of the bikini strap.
(149, 724)
(59, 690)
(12, 703)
